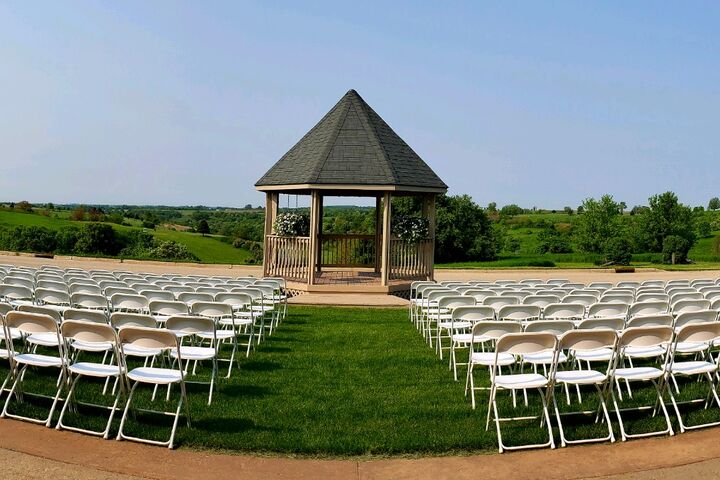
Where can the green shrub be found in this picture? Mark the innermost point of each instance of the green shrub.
(716, 245)
(676, 247)
(618, 251)
(704, 228)
(552, 240)
(97, 238)
(171, 250)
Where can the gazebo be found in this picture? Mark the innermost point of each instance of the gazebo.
(351, 152)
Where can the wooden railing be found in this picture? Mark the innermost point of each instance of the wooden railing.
(347, 250)
(410, 260)
(287, 257)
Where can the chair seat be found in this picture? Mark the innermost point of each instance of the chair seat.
(194, 353)
(454, 325)
(462, 337)
(18, 303)
(160, 376)
(43, 339)
(134, 351)
(690, 347)
(638, 373)
(228, 322)
(488, 359)
(91, 369)
(543, 358)
(520, 381)
(92, 346)
(580, 377)
(219, 334)
(596, 355)
(645, 352)
(161, 318)
(38, 360)
(14, 334)
(4, 353)
(696, 367)
(58, 308)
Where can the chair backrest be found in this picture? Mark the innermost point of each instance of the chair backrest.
(653, 283)
(235, 299)
(19, 281)
(702, 332)
(701, 282)
(557, 281)
(685, 296)
(52, 285)
(42, 311)
(157, 295)
(122, 320)
(15, 292)
(682, 306)
(122, 301)
(492, 330)
(214, 290)
(454, 301)
(517, 294)
(86, 288)
(519, 312)
(5, 308)
(588, 339)
(608, 310)
(646, 336)
(474, 314)
(585, 300)
(525, 343)
(587, 292)
(541, 300)
(564, 311)
(89, 300)
(192, 297)
(479, 294)
(614, 323)
(31, 323)
(715, 305)
(687, 318)
(617, 298)
(211, 309)
(110, 291)
(628, 284)
(93, 316)
(665, 320)
(498, 301)
(600, 285)
(190, 325)
(52, 297)
(90, 332)
(531, 281)
(149, 338)
(647, 308)
(167, 307)
(556, 327)
(653, 297)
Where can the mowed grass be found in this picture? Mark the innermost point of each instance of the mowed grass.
(338, 382)
(208, 249)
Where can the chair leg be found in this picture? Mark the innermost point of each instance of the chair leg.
(126, 410)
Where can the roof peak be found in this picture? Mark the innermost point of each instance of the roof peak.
(352, 145)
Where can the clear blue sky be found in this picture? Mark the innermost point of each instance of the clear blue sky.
(536, 103)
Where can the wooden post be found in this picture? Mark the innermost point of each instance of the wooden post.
(428, 212)
(271, 211)
(378, 233)
(315, 200)
(320, 231)
(385, 268)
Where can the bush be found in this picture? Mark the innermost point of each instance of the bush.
(512, 245)
(97, 238)
(618, 251)
(704, 228)
(552, 240)
(676, 247)
(716, 245)
(171, 250)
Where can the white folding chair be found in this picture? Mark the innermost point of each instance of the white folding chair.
(471, 315)
(31, 324)
(82, 336)
(588, 341)
(640, 338)
(153, 339)
(520, 344)
(195, 330)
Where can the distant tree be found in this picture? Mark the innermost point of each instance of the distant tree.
(492, 207)
(568, 210)
(510, 210)
(464, 231)
(553, 240)
(618, 251)
(666, 217)
(580, 210)
(95, 214)
(704, 228)
(203, 227)
(78, 213)
(714, 204)
(600, 222)
(248, 207)
(23, 206)
(50, 206)
(623, 207)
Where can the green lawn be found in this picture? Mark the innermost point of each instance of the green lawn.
(209, 249)
(336, 382)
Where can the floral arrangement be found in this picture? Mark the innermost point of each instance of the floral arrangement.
(292, 225)
(411, 229)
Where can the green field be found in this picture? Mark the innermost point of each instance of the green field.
(342, 382)
(209, 249)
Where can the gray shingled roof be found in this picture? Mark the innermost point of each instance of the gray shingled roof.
(352, 145)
